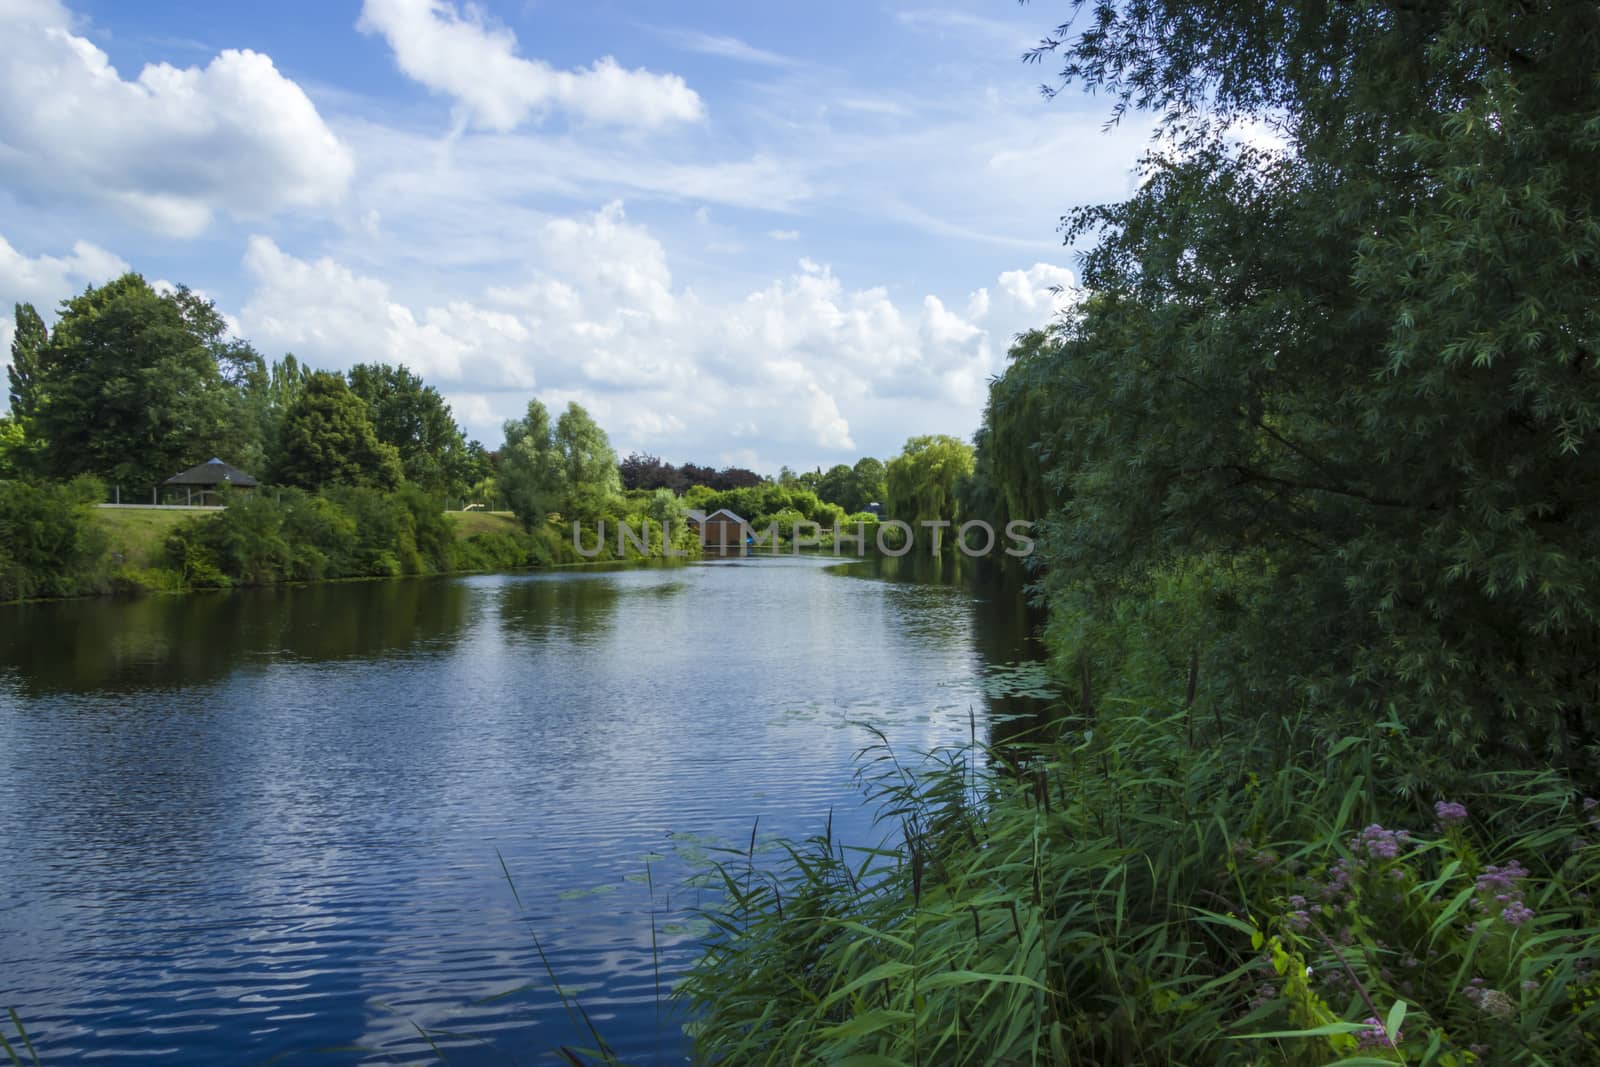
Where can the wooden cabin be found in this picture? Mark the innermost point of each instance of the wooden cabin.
(722, 535)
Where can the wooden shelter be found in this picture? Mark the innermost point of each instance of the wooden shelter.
(209, 477)
(722, 534)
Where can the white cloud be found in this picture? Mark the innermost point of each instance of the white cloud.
(802, 367)
(1043, 288)
(334, 318)
(784, 235)
(724, 47)
(466, 57)
(170, 148)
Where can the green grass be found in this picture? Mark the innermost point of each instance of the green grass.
(469, 523)
(138, 536)
(1132, 891)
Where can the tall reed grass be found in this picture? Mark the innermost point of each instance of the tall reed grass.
(1133, 890)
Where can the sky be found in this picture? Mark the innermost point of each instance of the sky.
(753, 234)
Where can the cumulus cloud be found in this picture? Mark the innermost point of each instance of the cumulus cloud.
(1043, 288)
(44, 281)
(335, 318)
(466, 57)
(804, 366)
(169, 148)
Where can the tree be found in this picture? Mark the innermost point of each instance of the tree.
(127, 386)
(326, 439)
(868, 484)
(20, 449)
(592, 482)
(644, 471)
(416, 420)
(13, 442)
(1360, 364)
(27, 344)
(926, 479)
(531, 475)
(837, 486)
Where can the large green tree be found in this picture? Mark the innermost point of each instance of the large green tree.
(22, 374)
(129, 385)
(411, 415)
(925, 481)
(869, 484)
(530, 475)
(568, 468)
(22, 449)
(326, 439)
(593, 482)
(1344, 334)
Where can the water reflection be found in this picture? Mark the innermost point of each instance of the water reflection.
(255, 825)
(123, 644)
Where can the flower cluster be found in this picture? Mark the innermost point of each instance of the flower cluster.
(1375, 846)
(1499, 891)
(1380, 844)
(1489, 1001)
(1375, 1036)
(1449, 812)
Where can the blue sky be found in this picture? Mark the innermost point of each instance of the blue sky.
(739, 233)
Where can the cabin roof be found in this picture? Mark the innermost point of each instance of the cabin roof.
(213, 472)
(725, 512)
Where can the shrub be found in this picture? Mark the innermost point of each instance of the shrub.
(49, 545)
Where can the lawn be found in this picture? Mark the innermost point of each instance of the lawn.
(140, 535)
(469, 523)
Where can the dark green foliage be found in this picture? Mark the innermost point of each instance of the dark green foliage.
(22, 375)
(326, 438)
(49, 545)
(128, 386)
(1362, 365)
(411, 416)
(853, 488)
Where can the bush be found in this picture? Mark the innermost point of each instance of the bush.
(49, 544)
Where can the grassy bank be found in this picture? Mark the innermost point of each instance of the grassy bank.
(56, 542)
(138, 537)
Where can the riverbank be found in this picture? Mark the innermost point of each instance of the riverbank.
(56, 542)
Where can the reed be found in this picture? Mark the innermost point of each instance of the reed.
(1123, 891)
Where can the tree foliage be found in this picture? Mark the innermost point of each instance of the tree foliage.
(530, 474)
(129, 385)
(588, 464)
(640, 470)
(927, 479)
(1355, 364)
(411, 416)
(326, 439)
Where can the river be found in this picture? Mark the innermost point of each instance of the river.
(270, 825)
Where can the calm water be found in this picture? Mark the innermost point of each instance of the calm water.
(266, 824)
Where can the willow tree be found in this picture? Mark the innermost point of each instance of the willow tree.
(925, 481)
(1348, 328)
